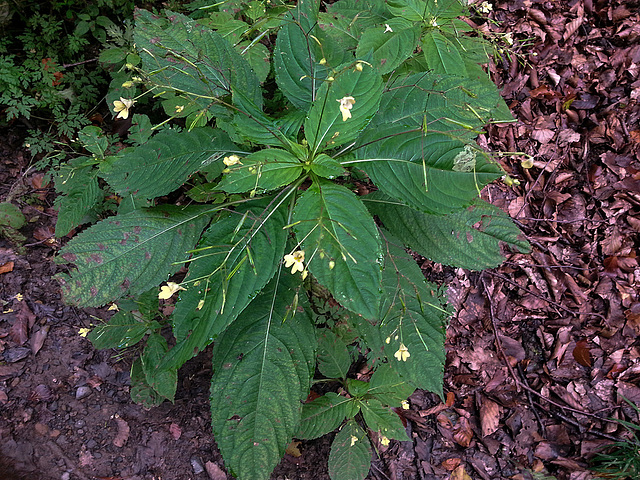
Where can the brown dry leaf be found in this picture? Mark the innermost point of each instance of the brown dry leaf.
(462, 432)
(175, 430)
(6, 267)
(37, 339)
(451, 464)
(214, 471)
(582, 353)
(293, 450)
(123, 432)
(490, 413)
(459, 474)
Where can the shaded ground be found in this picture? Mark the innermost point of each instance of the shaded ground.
(540, 354)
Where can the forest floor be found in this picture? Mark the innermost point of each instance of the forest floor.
(541, 353)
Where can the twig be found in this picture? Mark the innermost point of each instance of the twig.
(495, 335)
(67, 65)
(541, 297)
(581, 427)
(530, 398)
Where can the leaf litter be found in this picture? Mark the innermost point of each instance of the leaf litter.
(542, 353)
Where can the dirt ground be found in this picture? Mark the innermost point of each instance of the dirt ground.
(540, 354)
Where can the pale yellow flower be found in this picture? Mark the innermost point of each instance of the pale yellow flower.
(405, 405)
(83, 332)
(354, 439)
(167, 291)
(346, 104)
(384, 440)
(359, 66)
(402, 353)
(122, 107)
(295, 260)
(231, 160)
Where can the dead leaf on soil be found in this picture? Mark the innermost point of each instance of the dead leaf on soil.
(582, 354)
(123, 432)
(293, 450)
(214, 471)
(490, 413)
(6, 267)
(38, 338)
(175, 430)
(459, 474)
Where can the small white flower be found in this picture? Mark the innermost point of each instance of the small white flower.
(402, 354)
(231, 160)
(346, 104)
(295, 260)
(168, 290)
(122, 107)
(387, 28)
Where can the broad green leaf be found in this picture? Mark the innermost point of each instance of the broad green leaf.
(191, 58)
(389, 48)
(258, 57)
(411, 314)
(262, 369)
(94, 140)
(388, 387)
(76, 204)
(297, 55)
(121, 331)
(326, 127)
(422, 171)
(414, 10)
(166, 162)
(262, 171)
(342, 245)
(442, 54)
(323, 415)
(333, 357)
(357, 16)
(163, 382)
(350, 456)
(357, 388)
(326, 167)
(129, 253)
(383, 420)
(235, 259)
(11, 216)
(141, 391)
(251, 124)
(467, 239)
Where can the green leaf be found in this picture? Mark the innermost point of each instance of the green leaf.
(262, 171)
(357, 16)
(129, 253)
(77, 203)
(326, 167)
(350, 457)
(297, 55)
(11, 216)
(414, 10)
(166, 162)
(333, 357)
(383, 420)
(121, 331)
(258, 57)
(410, 314)
(163, 382)
(442, 54)
(141, 392)
(323, 415)
(388, 387)
(191, 58)
(389, 48)
(262, 368)
(467, 239)
(94, 140)
(334, 226)
(325, 127)
(235, 259)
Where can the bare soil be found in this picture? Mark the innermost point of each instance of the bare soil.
(540, 355)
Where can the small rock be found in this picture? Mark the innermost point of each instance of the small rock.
(83, 392)
(65, 476)
(196, 464)
(215, 472)
(80, 423)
